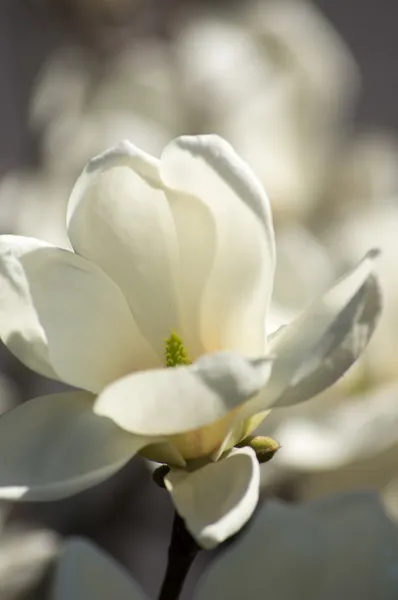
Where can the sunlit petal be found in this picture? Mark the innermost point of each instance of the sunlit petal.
(239, 253)
(63, 317)
(119, 218)
(218, 499)
(182, 399)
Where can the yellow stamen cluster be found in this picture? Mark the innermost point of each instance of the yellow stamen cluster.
(175, 353)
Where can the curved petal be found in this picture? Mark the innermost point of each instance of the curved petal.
(218, 499)
(54, 446)
(84, 572)
(119, 218)
(317, 348)
(63, 317)
(20, 328)
(180, 399)
(300, 548)
(233, 302)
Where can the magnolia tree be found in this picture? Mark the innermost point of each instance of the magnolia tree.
(159, 317)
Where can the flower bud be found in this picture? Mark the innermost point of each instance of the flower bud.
(265, 447)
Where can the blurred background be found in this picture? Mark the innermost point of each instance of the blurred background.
(307, 93)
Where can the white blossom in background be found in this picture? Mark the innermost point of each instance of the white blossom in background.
(78, 109)
(272, 77)
(344, 546)
(24, 557)
(173, 264)
(365, 174)
(277, 81)
(295, 288)
(334, 432)
(360, 434)
(348, 438)
(83, 107)
(36, 202)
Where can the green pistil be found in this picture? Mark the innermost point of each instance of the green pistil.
(175, 353)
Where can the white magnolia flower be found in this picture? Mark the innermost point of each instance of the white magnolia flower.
(173, 262)
(341, 547)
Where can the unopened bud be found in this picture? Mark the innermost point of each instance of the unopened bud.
(265, 447)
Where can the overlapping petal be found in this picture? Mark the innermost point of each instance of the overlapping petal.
(171, 401)
(119, 218)
(238, 242)
(316, 349)
(84, 572)
(218, 499)
(55, 446)
(63, 317)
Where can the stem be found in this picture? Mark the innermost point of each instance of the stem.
(182, 552)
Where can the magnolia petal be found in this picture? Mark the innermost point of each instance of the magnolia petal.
(54, 446)
(84, 572)
(317, 348)
(63, 317)
(119, 218)
(300, 548)
(218, 499)
(20, 328)
(238, 265)
(176, 400)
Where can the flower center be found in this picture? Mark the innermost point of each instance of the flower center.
(175, 352)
